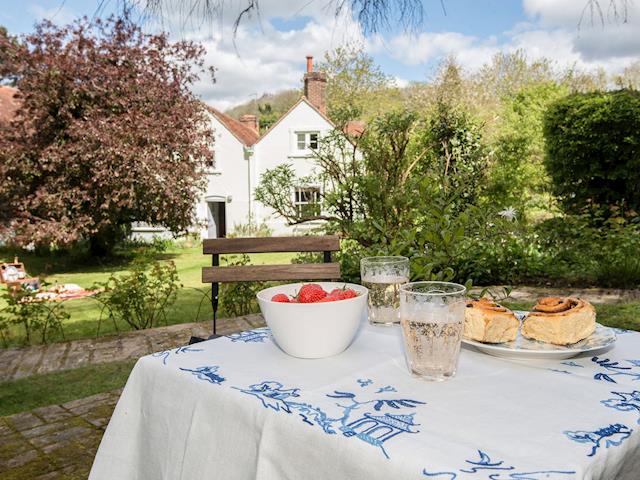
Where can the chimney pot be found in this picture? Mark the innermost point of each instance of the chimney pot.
(251, 121)
(315, 86)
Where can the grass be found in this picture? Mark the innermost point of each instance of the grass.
(60, 387)
(85, 313)
(618, 315)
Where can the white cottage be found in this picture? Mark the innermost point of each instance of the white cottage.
(242, 156)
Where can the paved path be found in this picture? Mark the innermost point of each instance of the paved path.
(593, 295)
(23, 362)
(56, 442)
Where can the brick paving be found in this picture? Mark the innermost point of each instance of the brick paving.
(593, 295)
(23, 362)
(56, 442)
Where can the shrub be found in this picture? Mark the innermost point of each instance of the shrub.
(251, 229)
(141, 297)
(593, 150)
(32, 315)
(239, 298)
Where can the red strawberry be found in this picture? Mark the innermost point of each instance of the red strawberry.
(348, 293)
(280, 297)
(328, 298)
(311, 293)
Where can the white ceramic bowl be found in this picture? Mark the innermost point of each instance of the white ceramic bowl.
(313, 330)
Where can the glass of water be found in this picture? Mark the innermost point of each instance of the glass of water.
(383, 277)
(432, 320)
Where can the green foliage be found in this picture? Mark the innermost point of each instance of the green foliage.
(593, 150)
(405, 187)
(356, 86)
(141, 297)
(269, 107)
(32, 315)
(239, 298)
(251, 229)
(517, 176)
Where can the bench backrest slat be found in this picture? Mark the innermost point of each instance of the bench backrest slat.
(259, 273)
(272, 244)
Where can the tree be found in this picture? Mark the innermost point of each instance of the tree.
(593, 151)
(356, 86)
(517, 177)
(108, 134)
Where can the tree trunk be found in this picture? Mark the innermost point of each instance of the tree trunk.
(103, 242)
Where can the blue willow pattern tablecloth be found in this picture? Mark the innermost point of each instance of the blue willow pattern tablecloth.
(239, 408)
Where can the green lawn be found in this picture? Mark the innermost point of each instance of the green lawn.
(86, 312)
(60, 387)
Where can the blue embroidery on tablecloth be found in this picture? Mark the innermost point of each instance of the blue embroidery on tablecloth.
(207, 373)
(167, 353)
(371, 427)
(625, 402)
(613, 435)
(257, 335)
(388, 388)
(615, 369)
(559, 371)
(485, 465)
(363, 382)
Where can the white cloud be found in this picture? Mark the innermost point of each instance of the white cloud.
(554, 31)
(265, 59)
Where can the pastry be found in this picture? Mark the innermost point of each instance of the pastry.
(560, 320)
(486, 321)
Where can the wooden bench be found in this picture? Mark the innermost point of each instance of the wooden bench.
(257, 273)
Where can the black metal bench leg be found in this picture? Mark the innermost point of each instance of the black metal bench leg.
(215, 291)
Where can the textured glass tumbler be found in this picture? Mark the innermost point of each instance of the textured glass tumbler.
(432, 320)
(383, 277)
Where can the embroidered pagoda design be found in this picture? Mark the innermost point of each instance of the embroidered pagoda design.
(377, 429)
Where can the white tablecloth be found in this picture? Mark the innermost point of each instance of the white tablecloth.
(239, 408)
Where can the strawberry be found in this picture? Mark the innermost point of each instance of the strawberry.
(343, 293)
(348, 293)
(311, 293)
(328, 298)
(280, 297)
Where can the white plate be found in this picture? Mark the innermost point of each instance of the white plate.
(524, 348)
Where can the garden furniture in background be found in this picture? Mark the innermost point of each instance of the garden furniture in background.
(14, 275)
(251, 273)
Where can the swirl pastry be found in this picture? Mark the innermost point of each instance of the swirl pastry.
(486, 321)
(560, 320)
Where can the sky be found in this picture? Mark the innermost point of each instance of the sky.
(270, 48)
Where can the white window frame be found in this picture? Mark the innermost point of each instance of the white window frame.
(299, 204)
(297, 141)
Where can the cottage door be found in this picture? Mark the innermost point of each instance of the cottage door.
(216, 220)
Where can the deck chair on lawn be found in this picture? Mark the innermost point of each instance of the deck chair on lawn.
(254, 273)
(14, 276)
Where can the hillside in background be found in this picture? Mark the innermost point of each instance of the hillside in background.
(269, 107)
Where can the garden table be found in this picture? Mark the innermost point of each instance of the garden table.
(237, 407)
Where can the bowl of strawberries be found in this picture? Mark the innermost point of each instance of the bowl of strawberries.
(313, 320)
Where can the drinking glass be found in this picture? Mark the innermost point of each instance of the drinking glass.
(383, 277)
(432, 320)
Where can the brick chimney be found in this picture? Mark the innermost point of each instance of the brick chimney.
(251, 121)
(315, 86)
